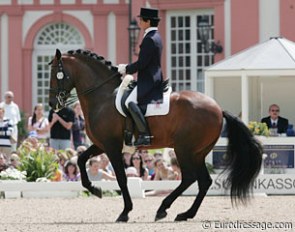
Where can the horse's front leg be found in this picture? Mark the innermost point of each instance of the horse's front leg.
(117, 163)
(82, 159)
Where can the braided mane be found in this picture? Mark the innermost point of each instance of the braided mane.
(93, 56)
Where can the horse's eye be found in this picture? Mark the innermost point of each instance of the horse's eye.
(59, 75)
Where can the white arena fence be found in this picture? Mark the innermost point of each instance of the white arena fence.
(268, 184)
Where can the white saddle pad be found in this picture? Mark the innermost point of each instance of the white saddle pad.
(152, 109)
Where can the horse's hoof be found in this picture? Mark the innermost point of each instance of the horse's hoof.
(160, 215)
(122, 218)
(96, 191)
(181, 217)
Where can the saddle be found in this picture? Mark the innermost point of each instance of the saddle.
(152, 109)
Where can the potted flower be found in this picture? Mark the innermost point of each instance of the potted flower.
(12, 174)
(258, 128)
(41, 165)
(37, 160)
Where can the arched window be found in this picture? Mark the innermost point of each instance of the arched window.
(62, 36)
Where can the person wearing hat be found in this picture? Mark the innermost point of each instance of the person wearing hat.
(149, 79)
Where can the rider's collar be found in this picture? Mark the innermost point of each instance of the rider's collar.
(149, 29)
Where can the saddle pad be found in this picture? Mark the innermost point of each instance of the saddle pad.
(152, 109)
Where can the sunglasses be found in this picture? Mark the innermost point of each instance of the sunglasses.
(135, 158)
(148, 161)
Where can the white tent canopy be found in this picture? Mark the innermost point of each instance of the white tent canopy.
(273, 58)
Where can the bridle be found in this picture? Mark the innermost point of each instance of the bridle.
(62, 93)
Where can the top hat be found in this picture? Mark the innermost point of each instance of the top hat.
(149, 13)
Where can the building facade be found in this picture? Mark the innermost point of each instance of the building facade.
(31, 30)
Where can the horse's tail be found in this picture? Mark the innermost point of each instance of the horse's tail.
(244, 157)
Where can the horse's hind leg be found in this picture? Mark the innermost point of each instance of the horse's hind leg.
(187, 180)
(82, 159)
(204, 182)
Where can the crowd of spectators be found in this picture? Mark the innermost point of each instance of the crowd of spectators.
(152, 166)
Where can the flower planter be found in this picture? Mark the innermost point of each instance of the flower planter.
(50, 194)
(12, 194)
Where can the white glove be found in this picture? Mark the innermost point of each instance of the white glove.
(9, 132)
(122, 68)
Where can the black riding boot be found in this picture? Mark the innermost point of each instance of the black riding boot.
(128, 137)
(144, 138)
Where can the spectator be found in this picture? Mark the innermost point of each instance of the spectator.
(80, 149)
(70, 152)
(6, 132)
(31, 143)
(274, 121)
(14, 160)
(13, 114)
(60, 128)
(158, 155)
(143, 153)
(38, 123)
(127, 159)
(149, 163)
(137, 162)
(71, 172)
(62, 159)
(3, 163)
(95, 173)
(105, 164)
(131, 172)
(162, 171)
(78, 126)
(176, 169)
(171, 154)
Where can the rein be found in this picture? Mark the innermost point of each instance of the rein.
(87, 91)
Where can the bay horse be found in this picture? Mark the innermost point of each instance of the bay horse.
(192, 127)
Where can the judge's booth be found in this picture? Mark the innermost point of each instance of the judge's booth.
(247, 83)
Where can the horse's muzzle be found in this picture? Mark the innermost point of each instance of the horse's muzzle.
(55, 106)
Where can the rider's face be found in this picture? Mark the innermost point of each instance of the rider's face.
(144, 25)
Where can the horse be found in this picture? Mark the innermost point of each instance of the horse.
(192, 127)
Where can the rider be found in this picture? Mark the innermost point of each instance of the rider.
(150, 77)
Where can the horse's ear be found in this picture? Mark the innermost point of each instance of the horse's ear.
(58, 54)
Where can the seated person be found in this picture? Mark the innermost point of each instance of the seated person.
(163, 172)
(95, 173)
(275, 121)
(3, 164)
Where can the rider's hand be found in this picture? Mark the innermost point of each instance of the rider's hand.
(122, 68)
